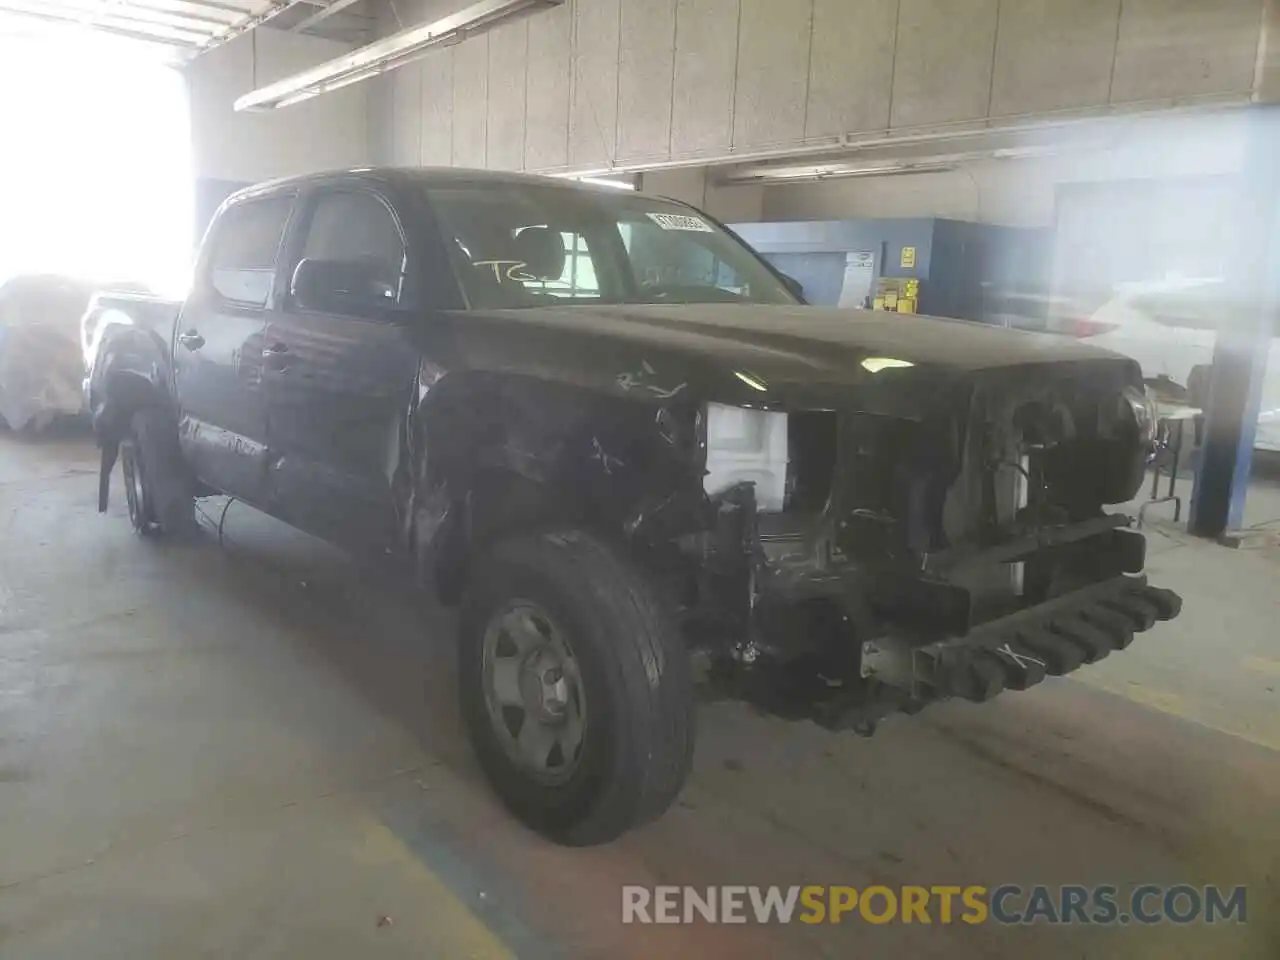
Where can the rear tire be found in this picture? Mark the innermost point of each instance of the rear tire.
(596, 623)
(156, 481)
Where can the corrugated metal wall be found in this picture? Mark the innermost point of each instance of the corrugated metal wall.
(598, 83)
(322, 133)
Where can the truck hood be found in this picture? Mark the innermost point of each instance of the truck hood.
(748, 353)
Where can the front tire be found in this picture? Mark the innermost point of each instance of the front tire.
(576, 687)
(156, 484)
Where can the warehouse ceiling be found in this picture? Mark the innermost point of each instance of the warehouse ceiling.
(189, 27)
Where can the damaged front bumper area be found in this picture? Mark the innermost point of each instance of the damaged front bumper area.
(940, 536)
(831, 617)
(844, 646)
(1019, 650)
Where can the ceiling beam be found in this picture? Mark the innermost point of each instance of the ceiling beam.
(390, 52)
(335, 6)
(247, 24)
(239, 9)
(168, 38)
(130, 13)
(213, 12)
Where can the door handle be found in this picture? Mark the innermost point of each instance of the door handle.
(276, 356)
(191, 340)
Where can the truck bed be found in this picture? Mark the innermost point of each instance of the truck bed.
(131, 309)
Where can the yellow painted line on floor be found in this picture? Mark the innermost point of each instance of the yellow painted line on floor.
(1263, 665)
(443, 918)
(1176, 706)
(1161, 700)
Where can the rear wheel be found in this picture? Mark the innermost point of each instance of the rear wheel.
(156, 484)
(575, 687)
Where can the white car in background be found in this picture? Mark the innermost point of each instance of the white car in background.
(41, 370)
(1169, 327)
(41, 355)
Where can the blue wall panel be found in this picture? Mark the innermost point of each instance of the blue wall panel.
(821, 274)
(963, 268)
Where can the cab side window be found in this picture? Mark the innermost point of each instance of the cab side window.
(353, 258)
(243, 263)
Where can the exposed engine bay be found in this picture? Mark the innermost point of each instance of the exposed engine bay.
(858, 564)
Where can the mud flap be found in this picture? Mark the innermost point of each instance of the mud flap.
(107, 463)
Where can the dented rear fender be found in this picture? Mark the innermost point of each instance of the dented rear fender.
(129, 368)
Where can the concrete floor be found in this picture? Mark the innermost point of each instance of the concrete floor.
(252, 751)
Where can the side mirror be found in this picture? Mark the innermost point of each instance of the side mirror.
(360, 287)
(795, 286)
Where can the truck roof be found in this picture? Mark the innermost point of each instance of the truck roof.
(415, 175)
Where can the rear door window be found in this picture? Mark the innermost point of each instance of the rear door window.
(245, 248)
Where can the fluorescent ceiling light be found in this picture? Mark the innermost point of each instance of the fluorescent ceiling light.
(836, 171)
(907, 161)
(389, 53)
(606, 182)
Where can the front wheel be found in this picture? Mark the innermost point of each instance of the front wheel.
(576, 687)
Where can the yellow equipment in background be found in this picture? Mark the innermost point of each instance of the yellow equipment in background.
(897, 295)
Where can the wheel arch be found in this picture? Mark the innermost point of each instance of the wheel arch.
(498, 455)
(129, 371)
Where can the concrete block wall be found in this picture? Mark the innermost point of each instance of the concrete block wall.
(325, 132)
(693, 185)
(627, 84)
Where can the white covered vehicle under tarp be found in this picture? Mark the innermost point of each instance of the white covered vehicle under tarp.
(41, 364)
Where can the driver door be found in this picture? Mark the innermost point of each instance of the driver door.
(339, 371)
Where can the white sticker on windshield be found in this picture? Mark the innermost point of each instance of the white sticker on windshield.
(680, 221)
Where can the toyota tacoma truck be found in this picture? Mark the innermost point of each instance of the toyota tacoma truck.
(619, 441)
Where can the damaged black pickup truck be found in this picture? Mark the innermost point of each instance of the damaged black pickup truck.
(616, 437)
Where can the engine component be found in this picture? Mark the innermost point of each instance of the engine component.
(745, 445)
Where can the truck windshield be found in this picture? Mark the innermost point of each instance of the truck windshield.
(530, 245)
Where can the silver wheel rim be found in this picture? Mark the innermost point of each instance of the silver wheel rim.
(533, 691)
(133, 491)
